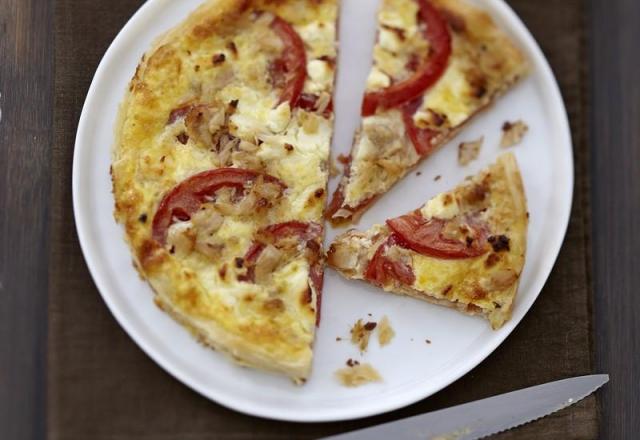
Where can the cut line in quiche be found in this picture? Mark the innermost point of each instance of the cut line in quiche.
(436, 64)
(220, 173)
(464, 248)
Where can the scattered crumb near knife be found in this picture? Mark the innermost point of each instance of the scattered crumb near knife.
(438, 177)
(357, 374)
(385, 331)
(469, 151)
(428, 341)
(512, 133)
(360, 333)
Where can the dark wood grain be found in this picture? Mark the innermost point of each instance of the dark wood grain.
(26, 76)
(103, 386)
(26, 59)
(615, 167)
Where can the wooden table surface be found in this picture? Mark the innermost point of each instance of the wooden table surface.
(26, 132)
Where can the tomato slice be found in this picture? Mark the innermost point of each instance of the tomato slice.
(426, 237)
(187, 197)
(428, 72)
(420, 137)
(291, 67)
(381, 269)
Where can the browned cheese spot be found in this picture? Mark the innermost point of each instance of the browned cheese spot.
(499, 243)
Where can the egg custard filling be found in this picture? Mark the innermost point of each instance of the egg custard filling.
(436, 64)
(220, 174)
(464, 248)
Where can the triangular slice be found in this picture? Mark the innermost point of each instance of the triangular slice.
(464, 248)
(436, 64)
(220, 173)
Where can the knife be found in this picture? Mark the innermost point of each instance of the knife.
(484, 417)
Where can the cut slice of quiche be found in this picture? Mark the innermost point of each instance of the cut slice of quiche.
(220, 173)
(464, 248)
(436, 64)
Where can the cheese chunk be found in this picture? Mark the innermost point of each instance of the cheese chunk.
(442, 206)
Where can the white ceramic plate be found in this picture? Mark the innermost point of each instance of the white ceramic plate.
(411, 368)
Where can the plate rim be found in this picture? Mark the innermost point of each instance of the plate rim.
(538, 61)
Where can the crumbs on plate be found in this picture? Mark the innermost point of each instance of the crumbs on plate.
(469, 151)
(357, 374)
(360, 333)
(512, 133)
(385, 331)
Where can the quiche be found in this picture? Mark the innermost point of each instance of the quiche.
(436, 64)
(220, 173)
(464, 248)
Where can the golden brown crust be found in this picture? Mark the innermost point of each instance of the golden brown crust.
(484, 285)
(214, 62)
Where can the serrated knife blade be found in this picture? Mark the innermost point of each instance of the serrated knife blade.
(484, 417)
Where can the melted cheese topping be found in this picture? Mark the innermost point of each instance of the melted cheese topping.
(399, 38)
(451, 96)
(486, 283)
(377, 79)
(489, 280)
(483, 64)
(220, 59)
(442, 206)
